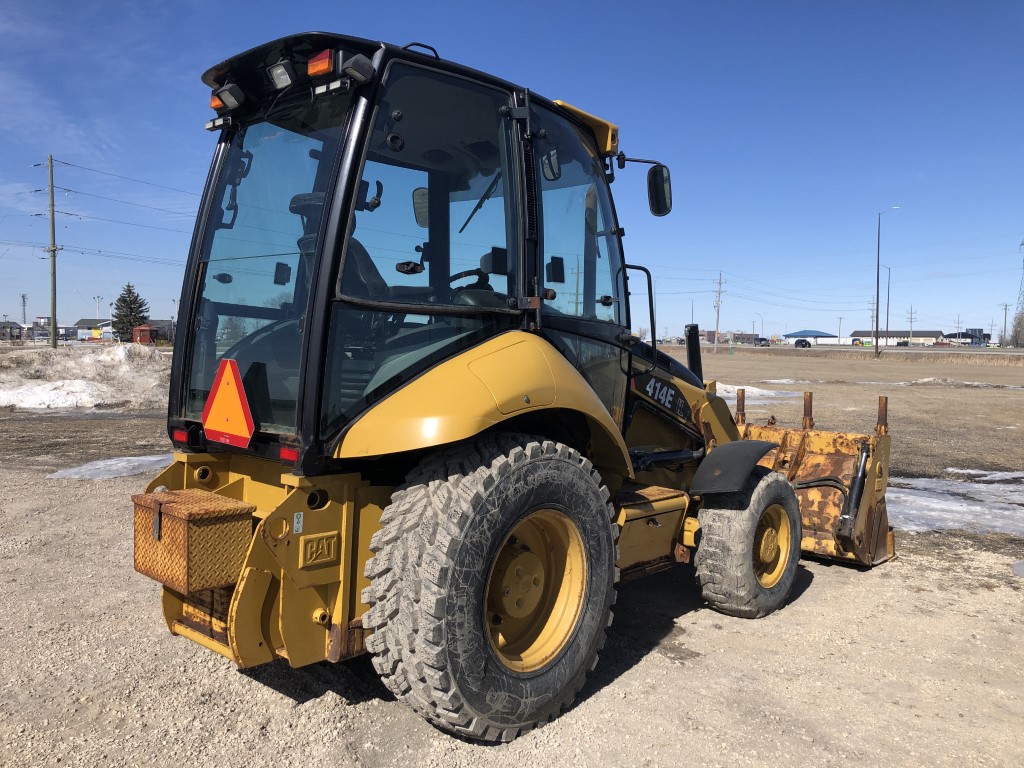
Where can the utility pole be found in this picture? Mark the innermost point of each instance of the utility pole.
(840, 330)
(910, 318)
(958, 329)
(1002, 340)
(718, 307)
(97, 299)
(53, 261)
(24, 303)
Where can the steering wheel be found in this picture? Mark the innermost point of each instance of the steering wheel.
(479, 274)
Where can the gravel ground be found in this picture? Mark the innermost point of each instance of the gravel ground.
(916, 662)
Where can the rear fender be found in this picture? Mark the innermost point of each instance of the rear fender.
(510, 376)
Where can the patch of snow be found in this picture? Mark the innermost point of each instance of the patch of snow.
(985, 476)
(105, 469)
(942, 382)
(68, 393)
(753, 394)
(85, 376)
(993, 503)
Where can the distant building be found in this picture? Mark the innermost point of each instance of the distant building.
(93, 329)
(11, 331)
(898, 338)
(972, 337)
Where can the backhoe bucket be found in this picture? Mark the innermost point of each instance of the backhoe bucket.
(840, 480)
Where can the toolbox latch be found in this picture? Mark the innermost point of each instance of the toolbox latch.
(156, 521)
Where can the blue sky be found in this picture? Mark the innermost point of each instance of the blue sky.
(788, 127)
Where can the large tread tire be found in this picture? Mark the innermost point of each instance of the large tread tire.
(438, 543)
(727, 560)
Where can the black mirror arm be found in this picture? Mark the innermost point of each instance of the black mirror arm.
(621, 160)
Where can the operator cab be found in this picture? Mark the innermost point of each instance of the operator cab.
(373, 211)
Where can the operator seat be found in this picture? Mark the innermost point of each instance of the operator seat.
(361, 278)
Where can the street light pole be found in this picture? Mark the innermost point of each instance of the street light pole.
(878, 274)
(888, 285)
(762, 323)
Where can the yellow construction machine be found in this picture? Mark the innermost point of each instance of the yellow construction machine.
(408, 413)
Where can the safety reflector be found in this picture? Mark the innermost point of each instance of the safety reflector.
(291, 455)
(227, 417)
(321, 64)
(179, 436)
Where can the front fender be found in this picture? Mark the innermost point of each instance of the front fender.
(508, 376)
(726, 468)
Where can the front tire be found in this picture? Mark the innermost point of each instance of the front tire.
(492, 583)
(750, 547)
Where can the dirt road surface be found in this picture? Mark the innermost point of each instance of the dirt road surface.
(917, 662)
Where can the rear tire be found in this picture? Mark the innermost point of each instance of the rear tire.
(750, 547)
(492, 582)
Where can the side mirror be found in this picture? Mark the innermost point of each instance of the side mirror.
(420, 206)
(282, 273)
(554, 270)
(659, 189)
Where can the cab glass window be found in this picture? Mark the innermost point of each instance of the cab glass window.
(581, 257)
(429, 265)
(434, 211)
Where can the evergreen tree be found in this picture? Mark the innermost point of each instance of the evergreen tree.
(130, 310)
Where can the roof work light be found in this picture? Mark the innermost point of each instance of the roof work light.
(282, 74)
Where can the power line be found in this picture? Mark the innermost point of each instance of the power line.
(123, 256)
(126, 223)
(123, 202)
(97, 252)
(127, 178)
(830, 306)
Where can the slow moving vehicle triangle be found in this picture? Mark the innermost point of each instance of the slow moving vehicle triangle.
(227, 417)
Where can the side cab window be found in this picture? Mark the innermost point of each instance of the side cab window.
(582, 261)
(435, 215)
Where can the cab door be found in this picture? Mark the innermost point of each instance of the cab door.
(579, 255)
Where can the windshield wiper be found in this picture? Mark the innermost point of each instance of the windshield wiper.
(483, 199)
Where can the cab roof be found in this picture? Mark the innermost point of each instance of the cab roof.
(245, 67)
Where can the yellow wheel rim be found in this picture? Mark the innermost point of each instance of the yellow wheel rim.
(535, 591)
(771, 546)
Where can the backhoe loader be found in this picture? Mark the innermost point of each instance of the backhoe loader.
(408, 413)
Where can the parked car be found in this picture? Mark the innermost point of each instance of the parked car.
(802, 344)
(762, 342)
(857, 342)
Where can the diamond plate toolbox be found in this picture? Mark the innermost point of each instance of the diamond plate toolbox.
(191, 540)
